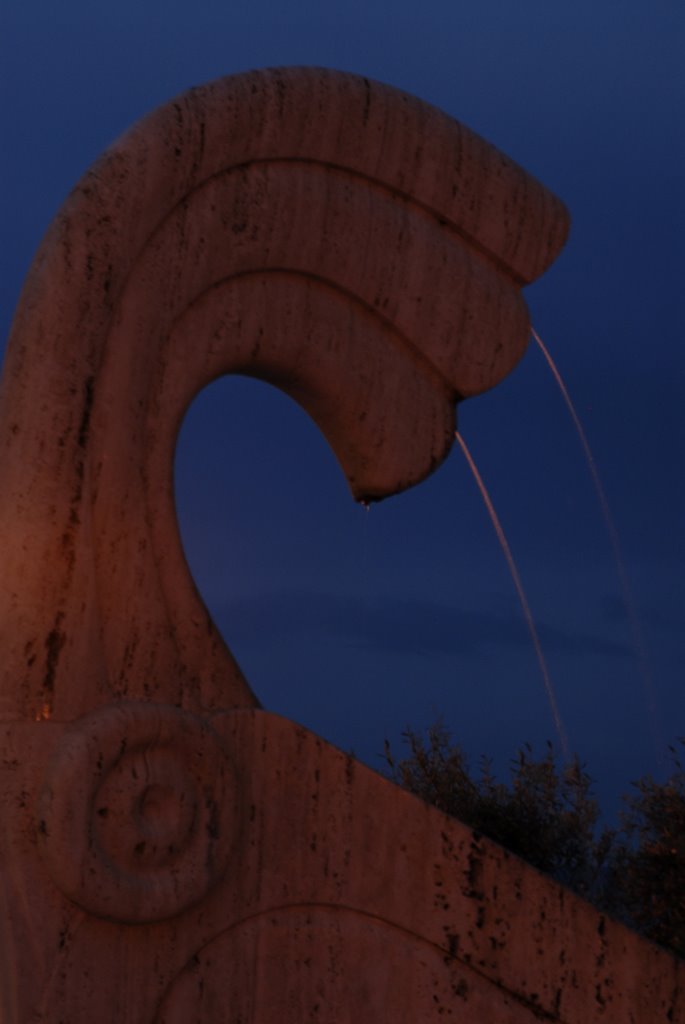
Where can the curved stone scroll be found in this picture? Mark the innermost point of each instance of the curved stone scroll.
(331, 235)
(138, 812)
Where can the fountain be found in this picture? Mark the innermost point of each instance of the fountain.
(169, 850)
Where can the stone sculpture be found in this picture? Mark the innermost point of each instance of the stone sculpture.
(169, 851)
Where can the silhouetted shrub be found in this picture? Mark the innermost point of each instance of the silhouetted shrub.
(548, 816)
(650, 864)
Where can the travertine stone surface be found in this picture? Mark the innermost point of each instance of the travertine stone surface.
(169, 853)
(343, 900)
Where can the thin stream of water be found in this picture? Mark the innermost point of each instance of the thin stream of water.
(364, 566)
(639, 644)
(551, 697)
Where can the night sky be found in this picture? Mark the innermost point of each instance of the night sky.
(357, 623)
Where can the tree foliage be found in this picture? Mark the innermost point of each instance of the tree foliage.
(650, 865)
(548, 816)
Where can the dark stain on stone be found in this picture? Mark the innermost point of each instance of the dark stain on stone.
(349, 769)
(85, 415)
(461, 989)
(202, 137)
(54, 642)
(213, 820)
(82, 439)
(280, 90)
(474, 873)
(367, 100)
(447, 845)
(29, 653)
(533, 1006)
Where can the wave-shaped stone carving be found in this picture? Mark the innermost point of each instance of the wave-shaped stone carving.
(160, 836)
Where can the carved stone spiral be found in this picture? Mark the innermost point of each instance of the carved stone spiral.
(135, 814)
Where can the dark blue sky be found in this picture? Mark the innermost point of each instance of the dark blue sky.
(356, 623)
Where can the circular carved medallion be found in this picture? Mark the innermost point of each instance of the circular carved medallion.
(134, 816)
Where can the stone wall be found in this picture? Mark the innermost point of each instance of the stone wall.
(337, 897)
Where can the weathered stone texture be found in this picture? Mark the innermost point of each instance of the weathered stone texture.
(168, 852)
(340, 897)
